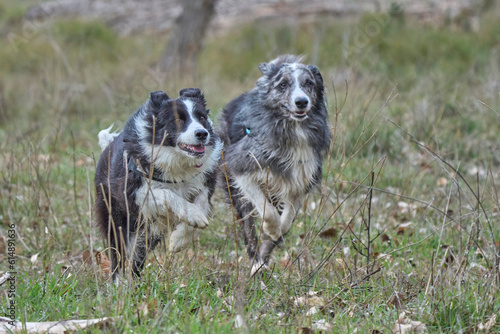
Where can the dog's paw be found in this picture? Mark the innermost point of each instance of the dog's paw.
(273, 233)
(271, 215)
(272, 224)
(196, 218)
(180, 238)
(258, 267)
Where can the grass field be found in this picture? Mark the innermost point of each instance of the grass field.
(415, 111)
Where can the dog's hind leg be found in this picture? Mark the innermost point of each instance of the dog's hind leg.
(139, 245)
(181, 237)
(136, 252)
(117, 245)
(251, 240)
(245, 210)
(116, 258)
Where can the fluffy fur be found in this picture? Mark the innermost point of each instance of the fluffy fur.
(281, 126)
(156, 177)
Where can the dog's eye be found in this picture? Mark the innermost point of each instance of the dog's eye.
(309, 82)
(202, 118)
(283, 84)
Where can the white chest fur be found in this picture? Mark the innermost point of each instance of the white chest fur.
(290, 182)
(297, 174)
(187, 190)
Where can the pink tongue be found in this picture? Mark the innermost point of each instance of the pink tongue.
(198, 148)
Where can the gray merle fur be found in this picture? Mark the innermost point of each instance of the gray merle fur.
(281, 125)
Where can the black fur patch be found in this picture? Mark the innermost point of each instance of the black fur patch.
(159, 121)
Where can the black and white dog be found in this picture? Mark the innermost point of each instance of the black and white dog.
(156, 178)
(279, 126)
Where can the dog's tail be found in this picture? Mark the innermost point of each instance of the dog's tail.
(106, 137)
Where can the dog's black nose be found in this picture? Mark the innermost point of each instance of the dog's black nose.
(201, 134)
(301, 102)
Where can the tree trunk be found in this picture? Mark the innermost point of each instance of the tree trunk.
(186, 38)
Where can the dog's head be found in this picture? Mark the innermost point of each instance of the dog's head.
(291, 87)
(180, 124)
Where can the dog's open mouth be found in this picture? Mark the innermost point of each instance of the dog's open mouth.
(299, 115)
(194, 150)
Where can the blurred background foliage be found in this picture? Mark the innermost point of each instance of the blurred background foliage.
(79, 74)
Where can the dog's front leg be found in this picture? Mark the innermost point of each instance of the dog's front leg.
(183, 233)
(267, 211)
(154, 202)
(292, 205)
(202, 202)
(287, 217)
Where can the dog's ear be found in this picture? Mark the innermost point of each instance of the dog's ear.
(267, 68)
(190, 92)
(315, 71)
(158, 97)
(193, 93)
